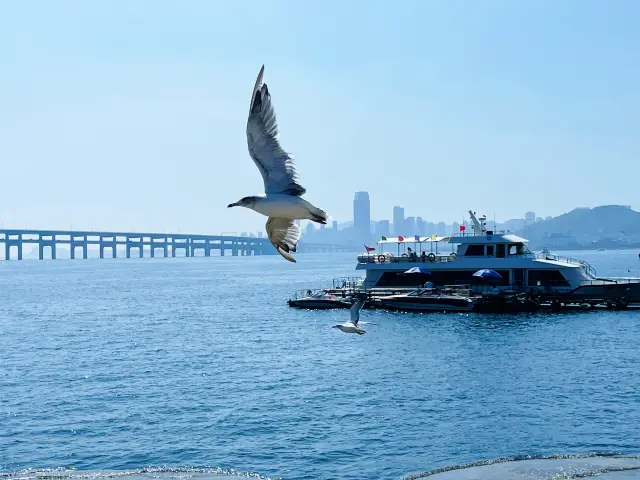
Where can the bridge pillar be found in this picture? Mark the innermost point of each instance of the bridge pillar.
(139, 247)
(75, 244)
(106, 244)
(45, 243)
(17, 242)
(159, 245)
(178, 246)
(8, 245)
(110, 245)
(135, 244)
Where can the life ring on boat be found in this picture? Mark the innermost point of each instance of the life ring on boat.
(381, 258)
(431, 257)
(452, 256)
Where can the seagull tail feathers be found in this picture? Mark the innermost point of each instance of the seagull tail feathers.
(285, 254)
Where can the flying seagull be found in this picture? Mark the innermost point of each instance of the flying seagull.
(352, 326)
(282, 201)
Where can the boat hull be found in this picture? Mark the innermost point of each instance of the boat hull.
(506, 305)
(628, 292)
(426, 304)
(319, 303)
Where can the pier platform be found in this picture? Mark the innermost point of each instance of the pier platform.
(342, 294)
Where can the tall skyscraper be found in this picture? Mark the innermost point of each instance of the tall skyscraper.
(382, 229)
(398, 221)
(421, 227)
(362, 216)
(410, 225)
(529, 217)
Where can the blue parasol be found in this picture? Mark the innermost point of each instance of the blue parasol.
(486, 273)
(423, 271)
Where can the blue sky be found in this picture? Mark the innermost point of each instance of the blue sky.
(131, 114)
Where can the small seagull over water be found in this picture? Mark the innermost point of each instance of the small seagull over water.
(352, 326)
(282, 201)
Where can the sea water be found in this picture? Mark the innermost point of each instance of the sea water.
(188, 367)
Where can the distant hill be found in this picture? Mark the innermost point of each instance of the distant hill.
(583, 226)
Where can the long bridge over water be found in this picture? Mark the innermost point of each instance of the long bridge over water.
(154, 244)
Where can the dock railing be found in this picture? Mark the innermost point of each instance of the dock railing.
(569, 261)
(386, 258)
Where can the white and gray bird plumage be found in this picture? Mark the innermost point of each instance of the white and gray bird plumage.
(282, 201)
(353, 325)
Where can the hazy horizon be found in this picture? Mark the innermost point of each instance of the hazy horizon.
(122, 116)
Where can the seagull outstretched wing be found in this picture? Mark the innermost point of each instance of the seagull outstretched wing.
(284, 234)
(277, 167)
(355, 310)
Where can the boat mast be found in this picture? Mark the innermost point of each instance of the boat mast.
(479, 227)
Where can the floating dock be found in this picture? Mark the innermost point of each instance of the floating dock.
(458, 298)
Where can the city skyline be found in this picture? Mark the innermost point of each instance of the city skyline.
(362, 229)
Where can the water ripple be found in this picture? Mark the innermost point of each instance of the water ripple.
(117, 365)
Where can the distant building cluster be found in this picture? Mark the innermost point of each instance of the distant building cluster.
(363, 230)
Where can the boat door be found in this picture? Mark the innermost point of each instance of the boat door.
(518, 277)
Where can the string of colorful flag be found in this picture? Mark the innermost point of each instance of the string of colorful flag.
(416, 238)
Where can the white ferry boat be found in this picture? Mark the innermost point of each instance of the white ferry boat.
(453, 261)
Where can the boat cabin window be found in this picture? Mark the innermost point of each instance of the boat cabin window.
(438, 278)
(547, 278)
(518, 249)
(475, 251)
(490, 250)
(500, 250)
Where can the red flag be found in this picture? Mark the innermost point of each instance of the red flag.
(462, 228)
(369, 249)
(400, 238)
